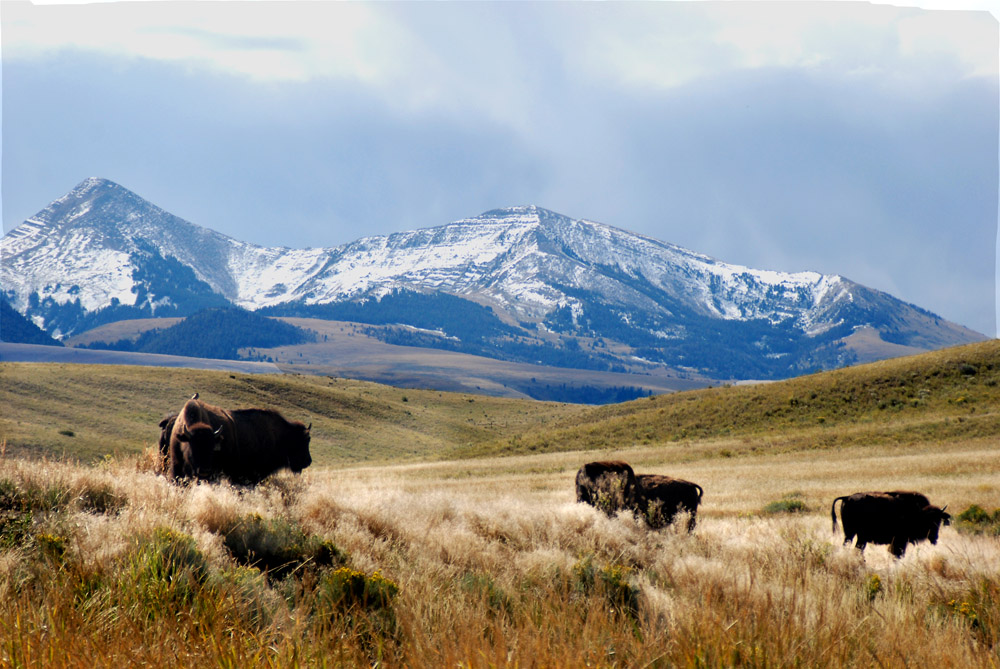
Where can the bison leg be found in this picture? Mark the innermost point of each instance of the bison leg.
(898, 547)
(692, 520)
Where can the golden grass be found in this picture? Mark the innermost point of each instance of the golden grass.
(496, 565)
(489, 561)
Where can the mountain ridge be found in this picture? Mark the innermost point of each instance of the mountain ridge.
(102, 249)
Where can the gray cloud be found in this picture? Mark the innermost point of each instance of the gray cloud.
(879, 167)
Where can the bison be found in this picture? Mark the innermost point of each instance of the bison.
(243, 445)
(896, 518)
(166, 429)
(607, 485)
(659, 498)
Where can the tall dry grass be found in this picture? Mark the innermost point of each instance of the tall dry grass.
(490, 563)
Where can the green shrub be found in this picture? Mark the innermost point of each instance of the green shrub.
(52, 546)
(976, 520)
(613, 582)
(19, 504)
(787, 504)
(101, 499)
(979, 608)
(164, 573)
(484, 586)
(277, 546)
(346, 589)
(253, 601)
(345, 598)
(873, 587)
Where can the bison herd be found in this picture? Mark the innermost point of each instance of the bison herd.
(245, 446)
(613, 486)
(897, 518)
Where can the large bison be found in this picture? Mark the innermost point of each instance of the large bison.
(895, 518)
(608, 485)
(244, 445)
(659, 498)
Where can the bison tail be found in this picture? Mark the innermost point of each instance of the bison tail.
(833, 511)
(700, 492)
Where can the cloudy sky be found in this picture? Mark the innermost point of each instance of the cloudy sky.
(850, 138)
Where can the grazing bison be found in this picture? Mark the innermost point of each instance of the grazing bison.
(607, 485)
(659, 498)
(244, 445)
(896, 518)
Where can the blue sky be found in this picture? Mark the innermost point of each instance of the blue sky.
(850, 138)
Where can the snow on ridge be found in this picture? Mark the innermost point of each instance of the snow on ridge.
(516, 256)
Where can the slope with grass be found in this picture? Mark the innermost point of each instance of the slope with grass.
(89, 411)
(950, 394)
(953, 393)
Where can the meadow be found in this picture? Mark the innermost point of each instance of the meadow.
(440, 560)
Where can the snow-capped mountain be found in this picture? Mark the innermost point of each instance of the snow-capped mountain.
(102, 247)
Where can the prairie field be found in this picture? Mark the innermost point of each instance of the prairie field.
(488, 561)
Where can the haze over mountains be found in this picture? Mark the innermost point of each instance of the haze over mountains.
(520, 284)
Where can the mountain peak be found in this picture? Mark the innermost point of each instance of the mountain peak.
(528, 211)
(102, 245)
(93, 187)
(93, 183)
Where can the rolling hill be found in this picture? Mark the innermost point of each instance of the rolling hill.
(945, 395)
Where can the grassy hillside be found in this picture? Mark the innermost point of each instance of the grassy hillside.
(954, 393)
(89, 411)
(949, 394)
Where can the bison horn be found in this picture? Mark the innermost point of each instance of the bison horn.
(218, 432)
(186, 434)
(195, 396)
(309, 427)
(945, 507)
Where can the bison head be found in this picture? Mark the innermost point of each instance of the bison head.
(201, 446)
(298, 448)
(934, 519)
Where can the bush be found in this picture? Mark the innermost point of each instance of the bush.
(277, 546)
(349, 599)
(101, 499)
(613, 582)
(164, 573)
(484, 586)
(976, 520)
(347, 589)
(788, 504)
(19, 505)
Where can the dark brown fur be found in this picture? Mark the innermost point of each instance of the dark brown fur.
(896, 518)
(244, 445)
(658, 499)
(608, 485)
